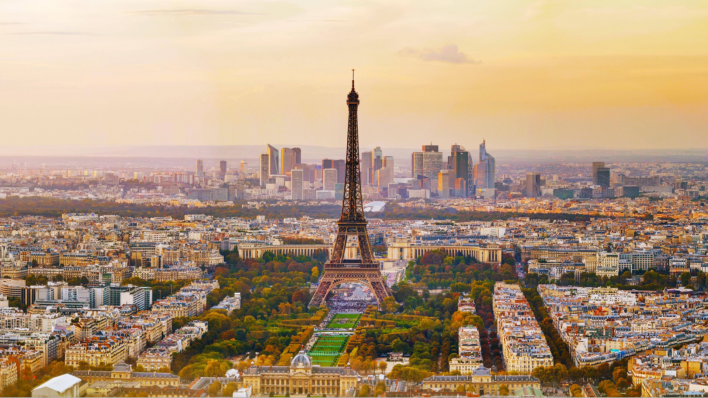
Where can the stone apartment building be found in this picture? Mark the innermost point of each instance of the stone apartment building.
(100, 349)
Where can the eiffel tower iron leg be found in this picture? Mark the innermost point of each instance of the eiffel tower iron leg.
(340, 245)
(320, 295)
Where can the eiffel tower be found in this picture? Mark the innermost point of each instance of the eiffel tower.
(363, 270)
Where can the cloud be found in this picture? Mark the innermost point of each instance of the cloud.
(189, 12)
(450, 54)
(53, 33)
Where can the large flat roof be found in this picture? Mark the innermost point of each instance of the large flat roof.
(60, 383)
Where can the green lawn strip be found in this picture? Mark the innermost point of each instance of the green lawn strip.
(344, 321)
(327, 350)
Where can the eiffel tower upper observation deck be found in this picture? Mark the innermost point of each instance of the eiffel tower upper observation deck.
(352, 222)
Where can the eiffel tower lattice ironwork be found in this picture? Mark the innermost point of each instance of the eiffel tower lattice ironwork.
(352, 223)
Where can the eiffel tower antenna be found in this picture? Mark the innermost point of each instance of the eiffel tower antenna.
(365, 269)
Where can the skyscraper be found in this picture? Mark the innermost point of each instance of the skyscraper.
(376, 160)
(273, 160)
(309, 172)
(459, 163)
(298, 155)
(200, 168)
(460, 187)
(484, 171)
(329, 179)
(244, 165)
(366, 162)
(444, 183)
(341, 166)
(240, 189)
(384, 175)
(427, 164)
(222, 168)
(263, 169)
(595, 166)
(533, 185)
(296, 179)
(416, 164)
(287, 160)
(603, 177)
(388, 165)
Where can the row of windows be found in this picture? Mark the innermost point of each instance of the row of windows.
(285, 382)
(453, 386)
(315, 390)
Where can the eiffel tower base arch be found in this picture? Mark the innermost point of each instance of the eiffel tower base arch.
(333, 278)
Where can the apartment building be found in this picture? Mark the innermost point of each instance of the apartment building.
(606, 324)
(229, 304)
(524, 344)
(470, 351)
(155, 359)
(100, 349)
(8, 371)
(45, 343)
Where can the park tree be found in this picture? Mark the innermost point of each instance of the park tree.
(701, 280)
(229, 389)
(366, 366)
(399, 346)
(187, 373)
(622, 383)
(380, 389)
(382, 366)
(299, 296)
(242, 366)
(216, 369)
(685, 278)
(408, 373)
(215, 389)
(576, 390)
(390, 305)
(358, 364)
(365, 391)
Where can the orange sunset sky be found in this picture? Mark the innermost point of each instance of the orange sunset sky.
(521, 74)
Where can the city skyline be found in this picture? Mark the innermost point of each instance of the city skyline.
(510, 199)
(531, 74)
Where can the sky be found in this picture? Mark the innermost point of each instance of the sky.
(521, 74)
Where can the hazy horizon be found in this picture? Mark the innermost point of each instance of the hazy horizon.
(186, 155)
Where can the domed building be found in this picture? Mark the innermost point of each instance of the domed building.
(300, 378)
(301, 361)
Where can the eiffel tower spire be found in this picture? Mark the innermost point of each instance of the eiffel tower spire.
(352, 204)
(351, 223)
